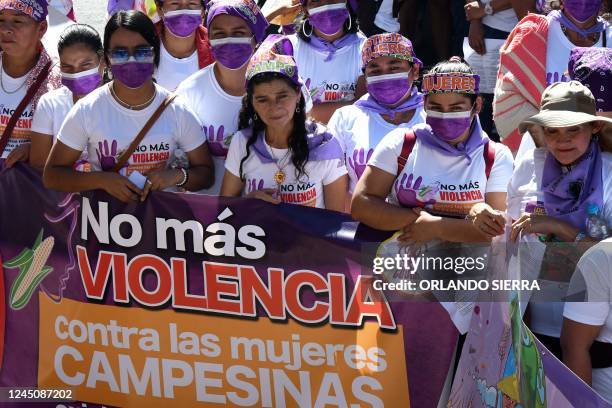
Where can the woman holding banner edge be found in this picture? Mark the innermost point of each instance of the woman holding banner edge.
(107, 121)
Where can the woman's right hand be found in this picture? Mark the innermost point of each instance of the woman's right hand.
(119, 186)
(265, 194)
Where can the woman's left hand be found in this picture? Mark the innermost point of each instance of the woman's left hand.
(160, 180)
(423, 229)
(487, 220)
(20, 153)
(534, 224)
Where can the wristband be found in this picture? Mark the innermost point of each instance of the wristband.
(185, 177)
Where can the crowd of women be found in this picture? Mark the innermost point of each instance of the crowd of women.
(210, 100)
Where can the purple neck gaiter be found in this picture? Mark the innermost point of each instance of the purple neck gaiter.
(568, 193)
(232, 52)
(183, 23)
(328, 19)
(133, 74)
(83, 82)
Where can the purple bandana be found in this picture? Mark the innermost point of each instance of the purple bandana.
(476, 139)
(321, 146)
(244, 9)
(568, 194)
(368, 103)
(36, 9)
(331, 47)
(598, 27)
(593, 67)
(275, 54)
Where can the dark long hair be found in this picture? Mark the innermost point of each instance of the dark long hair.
(302, 23)
(135, 21)
(298, 139)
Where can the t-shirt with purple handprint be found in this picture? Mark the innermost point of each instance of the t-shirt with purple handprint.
(217, 112)
(359, 132)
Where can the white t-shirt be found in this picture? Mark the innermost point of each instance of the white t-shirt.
(594, 273)
(172, 71)
(384, 18)
(525, 196)
(330, 81)
(359, 132)
(200, 92)
(449, 186)
(98, 121)
(558, 50)
(307, 191)
(8, 104)
(503, 20)
(51, 110)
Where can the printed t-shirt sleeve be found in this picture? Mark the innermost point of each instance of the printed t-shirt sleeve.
(387, 151)
(335, 125)
(592, 271)
(73, 132)
(235, 154)
(42, 122)
(501, 172)
(190, 134)
(334, 169)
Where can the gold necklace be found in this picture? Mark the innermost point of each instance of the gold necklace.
(279, 176)
(132, 107)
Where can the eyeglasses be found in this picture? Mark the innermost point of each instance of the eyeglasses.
(140, 54)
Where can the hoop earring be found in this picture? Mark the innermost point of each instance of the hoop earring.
(297, 109)
(304, 29)
(350, 24)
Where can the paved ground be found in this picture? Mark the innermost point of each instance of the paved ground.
(92, 12)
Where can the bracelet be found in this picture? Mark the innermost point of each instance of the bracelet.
(185, 177)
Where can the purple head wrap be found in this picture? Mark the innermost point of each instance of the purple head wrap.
(275, 54)
(36, 9)
(244, 9)
(593, 67)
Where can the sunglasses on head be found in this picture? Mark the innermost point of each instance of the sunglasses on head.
(123, 55)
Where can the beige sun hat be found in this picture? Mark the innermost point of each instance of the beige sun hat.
(565, 104)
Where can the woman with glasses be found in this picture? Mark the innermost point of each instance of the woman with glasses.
(235, 28)
(184, 48)
(82, 64)
(278, 155)
(107, 120)
(328, 51)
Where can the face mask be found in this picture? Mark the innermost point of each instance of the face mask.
(389, 89)
(232, 52)
(328, 19)
(83, 82)
(449, 126)
(133, 74)
(582, 10)
(183, 23)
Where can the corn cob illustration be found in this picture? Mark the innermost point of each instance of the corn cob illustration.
(32, 270)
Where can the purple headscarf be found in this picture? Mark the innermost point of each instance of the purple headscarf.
(567, 193)
(36, 9)
(275, 54)
(593, 67)
(247, 10)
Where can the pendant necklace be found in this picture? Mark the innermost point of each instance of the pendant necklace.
(279, 175)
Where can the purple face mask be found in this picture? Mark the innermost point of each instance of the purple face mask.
(449, 126)
(183, 23)
(389, 89)
(232, 52)
(83, 82)
(133, 74)
(328, 19)
(582, 10)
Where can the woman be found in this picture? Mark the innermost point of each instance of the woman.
(81, 62)
(570, 174)
(444, 180)
(586, 338)
(23, 60)
(522, 75)
(328, 51)
(234, 36)
(390, 68)
(107, 120)
(278, 155)
(185, 48)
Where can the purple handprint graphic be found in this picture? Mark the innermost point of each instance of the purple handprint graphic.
(413, 195)
(106, 157)
(359, 161)
(216, 143)
(254, 185)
